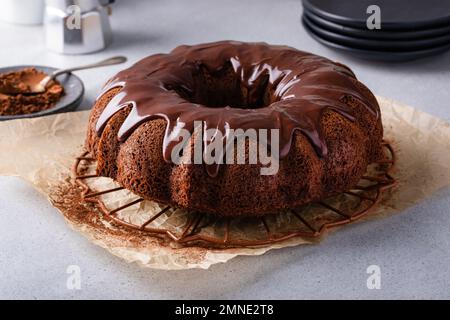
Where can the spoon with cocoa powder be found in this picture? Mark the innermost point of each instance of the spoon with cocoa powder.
(30, 81)
(31, 91)
(15, 92)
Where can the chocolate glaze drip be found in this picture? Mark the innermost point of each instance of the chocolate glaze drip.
(169, 86)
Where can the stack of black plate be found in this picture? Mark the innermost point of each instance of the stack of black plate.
(409, 29)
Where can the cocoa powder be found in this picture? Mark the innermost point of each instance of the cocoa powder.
(15, 95)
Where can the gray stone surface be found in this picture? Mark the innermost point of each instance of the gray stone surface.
(411, 248)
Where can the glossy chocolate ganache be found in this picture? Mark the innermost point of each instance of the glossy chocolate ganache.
(234, 85)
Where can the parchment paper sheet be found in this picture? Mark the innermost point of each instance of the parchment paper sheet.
(42, 151)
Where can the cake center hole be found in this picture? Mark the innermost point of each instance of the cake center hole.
(224, 88)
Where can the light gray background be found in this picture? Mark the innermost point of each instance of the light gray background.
(412, 248)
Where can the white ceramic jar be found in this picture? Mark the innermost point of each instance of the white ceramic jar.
(26, 12)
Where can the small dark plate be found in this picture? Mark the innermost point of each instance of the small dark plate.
(375, 33)
(386, 56)
(395, 15)
(372, 44)
(73, 93)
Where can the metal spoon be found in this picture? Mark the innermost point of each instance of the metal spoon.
(42, 85)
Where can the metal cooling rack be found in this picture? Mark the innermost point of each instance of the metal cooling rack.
(360, 199)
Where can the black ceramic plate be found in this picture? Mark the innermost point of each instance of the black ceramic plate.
(376, 34)
(395, 14)
(386, 56)
(73, 93)
(372, 44)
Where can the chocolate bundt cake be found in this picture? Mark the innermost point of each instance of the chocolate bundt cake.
(329, 126)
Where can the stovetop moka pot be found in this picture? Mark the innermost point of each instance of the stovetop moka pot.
(77, 26)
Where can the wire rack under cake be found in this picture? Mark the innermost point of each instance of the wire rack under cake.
(202, 229)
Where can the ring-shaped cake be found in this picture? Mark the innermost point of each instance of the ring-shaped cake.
(329, 127)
